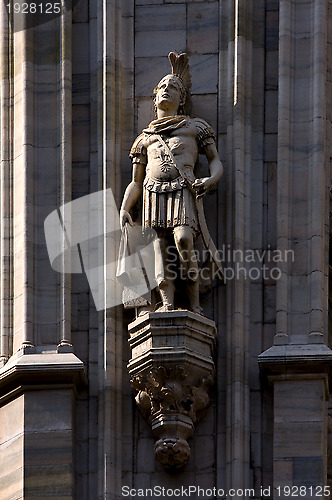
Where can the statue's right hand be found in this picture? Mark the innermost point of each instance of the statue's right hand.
(125, 218)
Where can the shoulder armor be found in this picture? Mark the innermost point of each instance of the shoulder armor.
(138, 148)
(205, 133)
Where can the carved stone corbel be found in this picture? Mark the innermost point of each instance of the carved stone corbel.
(172, 375)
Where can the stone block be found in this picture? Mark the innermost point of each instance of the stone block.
(81, 458)
(271, 62)
(81, 89)
(270, 147)
(269, 331)
(81, 11)
(145, 455)
(271, 5)
(308, 405)
(11, 423)
(271, 111)
(283, 472)
(269, 308)
(48, 448)
(157, 18)
(203, 20)
(145, 114)
(11, 457)
(128, 459)
(11, 449)
(144, 480)
(256, 238)
(93, 9)
(82, 47)
(272, 30)
(159, 43)
(11, 485)
(204, 452)
(204, 71)
(308, 471)
(148, 72)
(256, 302)
(148, 2)
(205, 106)
(55, 407)
(48, 482)
(81, 133)
(298, 439)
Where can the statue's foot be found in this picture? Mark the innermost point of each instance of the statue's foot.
(197, 310)
(167, 297)
(143, 312)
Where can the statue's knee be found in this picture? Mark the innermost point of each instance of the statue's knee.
(184, 243)
(184, 240)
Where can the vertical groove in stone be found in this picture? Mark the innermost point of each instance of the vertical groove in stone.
(318, 182)
(102, 414)
(65, 158)
(284, 138)
(302, 182)
(237, 399)
(228, 27)
(110, 90)
(6, 185)
(220, 309)
(23, 188)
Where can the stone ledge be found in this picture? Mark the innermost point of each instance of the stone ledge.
(40, 370)
(169, 357)
(292, 359)
(168, 317)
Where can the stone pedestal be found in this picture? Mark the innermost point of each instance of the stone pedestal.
(172, 374)
(300, 377)
(37, 425)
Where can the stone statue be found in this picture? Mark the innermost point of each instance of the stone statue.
(164, 156)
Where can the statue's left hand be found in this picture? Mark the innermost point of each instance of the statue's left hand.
(202, 186)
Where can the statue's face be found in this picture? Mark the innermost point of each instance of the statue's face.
(168, 93)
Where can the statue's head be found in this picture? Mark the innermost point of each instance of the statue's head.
(171, 88)
(175, 86)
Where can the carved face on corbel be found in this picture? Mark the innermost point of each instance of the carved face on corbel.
(170, 94)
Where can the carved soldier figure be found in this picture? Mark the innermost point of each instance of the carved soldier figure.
(163, 157)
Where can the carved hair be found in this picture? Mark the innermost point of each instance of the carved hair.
(181, 75)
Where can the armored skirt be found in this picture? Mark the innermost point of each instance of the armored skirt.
(168, 205)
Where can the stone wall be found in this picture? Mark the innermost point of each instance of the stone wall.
(75, 92)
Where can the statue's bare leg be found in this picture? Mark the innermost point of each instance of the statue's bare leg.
(166, 285)
(184, 241)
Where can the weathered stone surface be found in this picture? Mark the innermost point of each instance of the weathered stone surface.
(267, 93)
